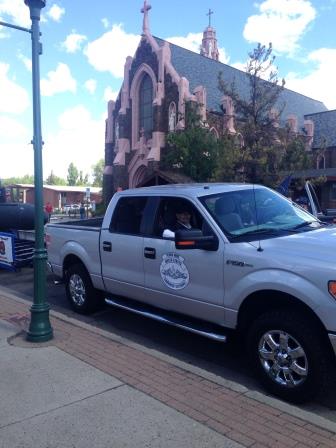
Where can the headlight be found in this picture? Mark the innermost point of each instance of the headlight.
(332, 288)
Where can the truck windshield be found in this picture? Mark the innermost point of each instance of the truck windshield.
(253, 210)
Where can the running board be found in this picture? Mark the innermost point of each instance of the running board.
(175, 320)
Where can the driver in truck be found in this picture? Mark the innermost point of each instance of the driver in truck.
(181, 221)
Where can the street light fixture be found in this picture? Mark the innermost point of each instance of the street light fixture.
(40, 329)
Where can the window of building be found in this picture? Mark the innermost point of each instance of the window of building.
(172, 117)
(213, 131)
(127, 217)
(333, 192)
(321, 163)
(146, 106)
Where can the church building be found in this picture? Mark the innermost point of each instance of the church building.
(158, 82)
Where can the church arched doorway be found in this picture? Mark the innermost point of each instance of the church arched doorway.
(138, 177)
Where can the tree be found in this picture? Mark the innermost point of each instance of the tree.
(82, 180)
(76, 177)
(230, 159)
(258, 122)
(52, 179)
(193, 151)
(97, 173)
(295, 157)
(72, 175)
(26, 179)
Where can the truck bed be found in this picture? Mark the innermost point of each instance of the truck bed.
(81, 238)
(90, 222)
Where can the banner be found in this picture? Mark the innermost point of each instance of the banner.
(6, 250)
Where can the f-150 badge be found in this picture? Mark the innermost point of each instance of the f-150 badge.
(174, 272)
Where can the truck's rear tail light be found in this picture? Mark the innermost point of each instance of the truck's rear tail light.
(332, 288)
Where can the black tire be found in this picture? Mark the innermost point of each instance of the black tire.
(289, 354)
(82, 296)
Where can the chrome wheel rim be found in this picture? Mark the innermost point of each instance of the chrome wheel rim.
(283, 358)
(77, 290)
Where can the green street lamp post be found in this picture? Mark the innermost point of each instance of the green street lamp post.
(40, 329)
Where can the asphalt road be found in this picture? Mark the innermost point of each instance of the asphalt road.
(226, 360)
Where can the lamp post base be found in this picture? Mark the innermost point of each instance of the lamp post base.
(40, 329)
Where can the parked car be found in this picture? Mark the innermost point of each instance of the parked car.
(254, 263)
(71, 209)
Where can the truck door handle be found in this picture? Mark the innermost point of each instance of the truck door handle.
(149, 252)
(107, 246)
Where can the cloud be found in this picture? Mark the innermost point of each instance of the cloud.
(11, 130)
(73, 42)
(105, 22)
(79, 139)
(223, 57)
(110, 94)
(318, 83)
(3, 32)
(16, 11)
(282, 22)
(18, 154)
(27, 62)
(115, 42)
(16, 151)
(56, 12)
(58, 81)
(14, 98)
(193, 43)
(91, 85)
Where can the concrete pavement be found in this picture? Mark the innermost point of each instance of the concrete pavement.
(51, 399)
(89, 388)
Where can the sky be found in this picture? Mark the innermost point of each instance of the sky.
(85, 46)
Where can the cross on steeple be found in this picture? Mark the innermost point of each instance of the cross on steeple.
(210, 14)
(144, 10)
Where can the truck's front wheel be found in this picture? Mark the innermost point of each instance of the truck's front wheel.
(83, 297)
(289, 355)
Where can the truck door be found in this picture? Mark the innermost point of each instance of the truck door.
(121, 248)
(187, 281)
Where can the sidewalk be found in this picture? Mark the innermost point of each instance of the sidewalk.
(90, 388)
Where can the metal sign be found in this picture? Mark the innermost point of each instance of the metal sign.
(87, 193)
(7, 255)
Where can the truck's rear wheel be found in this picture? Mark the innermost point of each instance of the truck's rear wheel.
(83, 297)
(289, 355)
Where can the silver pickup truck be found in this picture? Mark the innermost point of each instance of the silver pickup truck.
(251, 263)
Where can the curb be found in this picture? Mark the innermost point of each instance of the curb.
(290, 409)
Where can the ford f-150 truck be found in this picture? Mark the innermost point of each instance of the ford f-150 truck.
(253, 263)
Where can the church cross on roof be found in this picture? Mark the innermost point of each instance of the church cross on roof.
(144, 10)
(210, 14)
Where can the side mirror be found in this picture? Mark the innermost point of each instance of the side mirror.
(194, 239)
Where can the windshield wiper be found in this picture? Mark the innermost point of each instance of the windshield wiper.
(306, 223)
(258, 232)
(267, 232)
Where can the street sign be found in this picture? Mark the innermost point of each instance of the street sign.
(6, 250)
(87, 193)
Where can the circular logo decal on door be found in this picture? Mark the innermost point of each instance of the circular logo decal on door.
(174, 272)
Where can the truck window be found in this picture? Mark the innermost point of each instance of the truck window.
(127, 216)
(168, 212)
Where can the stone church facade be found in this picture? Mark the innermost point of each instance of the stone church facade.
(158, 82)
